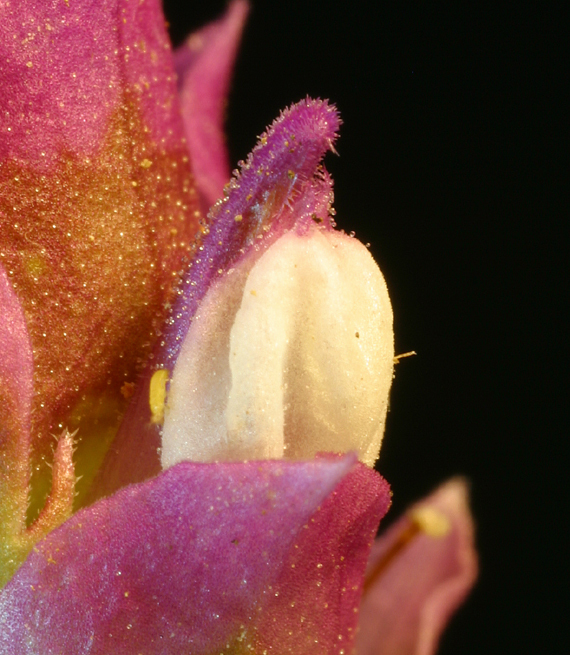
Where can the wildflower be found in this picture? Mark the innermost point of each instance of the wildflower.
(145, 337)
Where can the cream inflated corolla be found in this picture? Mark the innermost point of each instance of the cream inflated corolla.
(290, 354)
(280, 341)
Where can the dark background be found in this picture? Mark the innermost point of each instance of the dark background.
(454, 167)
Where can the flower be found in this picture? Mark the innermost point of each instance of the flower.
(114, 290)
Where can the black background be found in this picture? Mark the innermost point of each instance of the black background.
(454, 167)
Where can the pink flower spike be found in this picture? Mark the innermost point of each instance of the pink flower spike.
(204, 65)
(202, 559)
(419, 572)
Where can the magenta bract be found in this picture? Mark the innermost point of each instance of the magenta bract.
(202, 557)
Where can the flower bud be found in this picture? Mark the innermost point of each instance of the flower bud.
(290, 354)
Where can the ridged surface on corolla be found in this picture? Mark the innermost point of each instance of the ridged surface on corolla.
(280, 185)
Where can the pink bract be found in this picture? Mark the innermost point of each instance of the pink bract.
(204, 65)
(261, 555)
(423, 578)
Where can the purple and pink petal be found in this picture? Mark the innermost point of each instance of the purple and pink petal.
(16, 391)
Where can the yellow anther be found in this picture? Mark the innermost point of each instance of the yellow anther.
(431, 521)
(157, 395)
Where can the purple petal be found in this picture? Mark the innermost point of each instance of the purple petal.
(204, 65)
(194, 560)
(97, 204)
(279, 186)
(419, 573)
